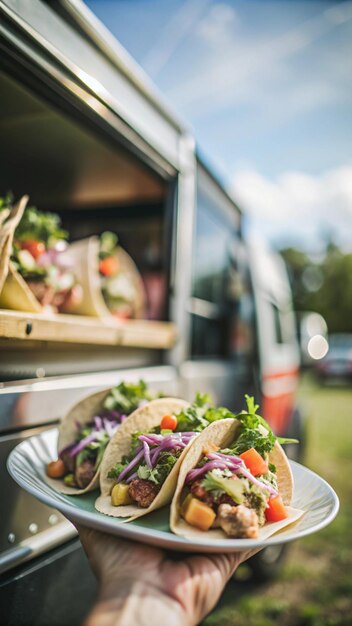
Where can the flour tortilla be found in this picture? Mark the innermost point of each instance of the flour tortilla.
(16, 295)
(14, 291)
(9, 219)
(83, 412)
(85, 256)
(143, 419)
(222, 433)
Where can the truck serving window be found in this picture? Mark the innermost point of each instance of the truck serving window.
(221, 304)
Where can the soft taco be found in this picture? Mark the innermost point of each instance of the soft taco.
(110, 279)
(140, 467)
(85, 432)
(235, 481)
(36, 272)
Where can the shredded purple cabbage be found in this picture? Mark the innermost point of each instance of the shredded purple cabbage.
(132, 464)
(82, 444)
(172, 441)
(226, 461)
(99, 427)
(113, 414)
(146, 450)
(132, 477)
(98, 423)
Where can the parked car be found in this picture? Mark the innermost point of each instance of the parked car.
(337, 364)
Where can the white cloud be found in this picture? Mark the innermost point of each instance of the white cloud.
(297, 206)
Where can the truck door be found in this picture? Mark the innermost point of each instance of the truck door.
(221, 308)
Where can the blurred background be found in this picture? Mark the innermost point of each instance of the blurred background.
(266, 86)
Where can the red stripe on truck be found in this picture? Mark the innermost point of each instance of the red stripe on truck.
(292, 373)
(277, 411)
(278, 398)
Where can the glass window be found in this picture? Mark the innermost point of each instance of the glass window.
(277, 324)
(211, 254)
(222, 302)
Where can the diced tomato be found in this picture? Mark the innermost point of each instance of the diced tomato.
(56, 469)
(275, 511)
(36, 248)
(254, 462)
(109, 266)
(168, 422)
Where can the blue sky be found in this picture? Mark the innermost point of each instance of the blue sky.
(267, 87)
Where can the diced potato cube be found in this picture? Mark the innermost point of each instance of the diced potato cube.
(185, 504)
(120, 495)
(198, 514)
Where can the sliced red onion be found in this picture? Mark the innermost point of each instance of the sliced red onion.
(171, 441)
(100, 426)
(147, 454)
(226, 461)
(132, 464)
(247, 474)
(154, 455)
(98, 422)
(200, 471)
(132, 477)
(110, 427)
(152, 439)
(233, 460)
(83, 443)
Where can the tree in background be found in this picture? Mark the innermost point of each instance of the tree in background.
(324, 286)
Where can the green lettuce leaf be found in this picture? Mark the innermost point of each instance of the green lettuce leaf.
(215, 482)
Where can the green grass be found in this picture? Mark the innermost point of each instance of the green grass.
(315, 585)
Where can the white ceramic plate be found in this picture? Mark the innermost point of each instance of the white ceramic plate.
(27, 463)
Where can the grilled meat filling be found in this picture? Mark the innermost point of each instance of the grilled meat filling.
(84, 473)
(143, 492)
(238, 521)
(69, 462)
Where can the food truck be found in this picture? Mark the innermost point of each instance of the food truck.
(85, 134)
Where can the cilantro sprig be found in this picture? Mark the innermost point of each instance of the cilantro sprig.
(126, 397)
(251, 436)
(200, 414)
